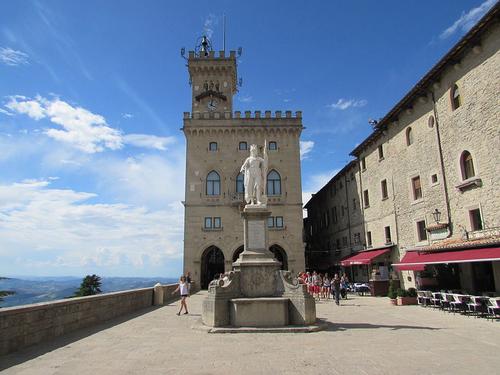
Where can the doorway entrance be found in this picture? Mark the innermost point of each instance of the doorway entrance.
(212, 263)
(280, 256)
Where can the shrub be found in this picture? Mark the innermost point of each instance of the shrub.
(401, 293)
(412, 292)
(391, 293)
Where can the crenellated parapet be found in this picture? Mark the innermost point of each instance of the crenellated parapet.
(207, 115)
(213, 123)
(212, 55)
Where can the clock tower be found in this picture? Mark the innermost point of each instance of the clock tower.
(218, 140)
(213, 79)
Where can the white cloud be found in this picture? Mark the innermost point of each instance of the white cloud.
(11, 57)
(245, 99)
(468, 20)
(127, 115)
(21, 104)
(150, 180)
(51, 229)
(6, 113)
(305, 148)
(208, 26)
(343, 104)
(148, 141)
(80, 128)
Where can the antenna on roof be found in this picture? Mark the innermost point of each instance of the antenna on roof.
(223, 32)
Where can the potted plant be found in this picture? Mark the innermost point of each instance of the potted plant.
(392, 294)
(406, 297)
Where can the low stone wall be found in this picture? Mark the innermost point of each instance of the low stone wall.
(31, 324)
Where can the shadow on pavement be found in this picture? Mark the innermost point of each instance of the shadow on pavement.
(347, 326)
(43, 347)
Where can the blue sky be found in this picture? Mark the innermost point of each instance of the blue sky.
(92, 94)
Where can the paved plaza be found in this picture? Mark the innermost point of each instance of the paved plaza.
(365, 335)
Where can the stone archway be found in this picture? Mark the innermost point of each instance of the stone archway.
(237, 253)
(280, 255)
(212, 263)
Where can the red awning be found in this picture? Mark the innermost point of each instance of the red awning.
(415, 259)
(364, 257)
(410, 267)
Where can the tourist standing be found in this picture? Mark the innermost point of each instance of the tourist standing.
(326, 286)
(310, 286)
(317, 282)
(336, 288)
(344, 285)
(183, 289)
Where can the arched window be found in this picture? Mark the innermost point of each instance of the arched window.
(273, 146)
(455, 97)
(409, 136)
(212, 146)
(213, 183)
(273, 183)
(240, 184)
(467, 165)
(242, 146)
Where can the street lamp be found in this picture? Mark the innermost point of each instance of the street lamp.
(437, 215)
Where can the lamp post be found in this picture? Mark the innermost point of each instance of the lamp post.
(437, 215)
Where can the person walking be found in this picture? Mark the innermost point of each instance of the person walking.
(336, 288)
(183, 288)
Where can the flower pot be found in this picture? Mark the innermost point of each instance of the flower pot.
(402, 301)
(393, 301)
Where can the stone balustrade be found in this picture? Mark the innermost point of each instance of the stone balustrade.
(26, 325)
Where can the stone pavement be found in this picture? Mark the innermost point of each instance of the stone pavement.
(365, 336)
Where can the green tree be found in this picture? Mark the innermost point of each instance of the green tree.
(91, 284)
(4, 293)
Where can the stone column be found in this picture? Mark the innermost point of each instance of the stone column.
(256, 263)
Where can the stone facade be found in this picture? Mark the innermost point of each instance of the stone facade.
(414, 161)
(334, 225)
(218, 139)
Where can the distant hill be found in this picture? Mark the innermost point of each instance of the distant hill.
(43, 289)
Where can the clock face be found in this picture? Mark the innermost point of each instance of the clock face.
(212, 105)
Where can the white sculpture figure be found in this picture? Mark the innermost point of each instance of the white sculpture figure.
(255, 171)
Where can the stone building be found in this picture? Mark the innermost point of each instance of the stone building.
(334, 224)
(218, 141)
(428, 173)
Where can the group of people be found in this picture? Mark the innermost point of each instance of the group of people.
(322, 285)
(318, 285)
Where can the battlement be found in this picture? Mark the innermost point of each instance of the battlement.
(242, 115)
(211, 55)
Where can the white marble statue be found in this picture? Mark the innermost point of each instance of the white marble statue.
(255, 171)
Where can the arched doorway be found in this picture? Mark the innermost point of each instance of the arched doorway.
(280, 255)
(237, 253)
(212, 263)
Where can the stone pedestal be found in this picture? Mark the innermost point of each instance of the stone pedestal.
(259, 312)
(257, 293)
(256, 263)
